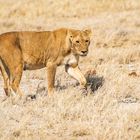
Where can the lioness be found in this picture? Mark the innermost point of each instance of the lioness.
(30, 50)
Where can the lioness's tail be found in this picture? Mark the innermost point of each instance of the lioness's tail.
(4, 68)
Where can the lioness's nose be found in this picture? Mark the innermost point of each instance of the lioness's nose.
(84, 52)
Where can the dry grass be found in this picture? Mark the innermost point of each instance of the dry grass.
(112, 111)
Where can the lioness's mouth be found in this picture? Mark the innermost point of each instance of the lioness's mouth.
(83, 55)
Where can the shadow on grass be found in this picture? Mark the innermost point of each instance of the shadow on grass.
(94, 82)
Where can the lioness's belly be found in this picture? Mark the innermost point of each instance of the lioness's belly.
(33, 66)
(32, 62)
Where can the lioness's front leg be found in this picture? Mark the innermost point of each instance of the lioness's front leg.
(77, 74)
(51, 71)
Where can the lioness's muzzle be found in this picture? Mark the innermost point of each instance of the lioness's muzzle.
(84, 53)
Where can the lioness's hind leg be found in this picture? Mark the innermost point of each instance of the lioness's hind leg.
(6, 79)
(6, 85)
(15, 79)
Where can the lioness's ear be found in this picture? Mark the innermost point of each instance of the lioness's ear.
(69, 36)
(70, 33)
(88, 32)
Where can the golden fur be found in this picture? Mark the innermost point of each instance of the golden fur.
(31, 50)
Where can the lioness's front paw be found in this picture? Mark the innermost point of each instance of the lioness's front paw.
(51, 92)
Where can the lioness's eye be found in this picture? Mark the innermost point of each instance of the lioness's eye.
(87, 41)
(77, 41)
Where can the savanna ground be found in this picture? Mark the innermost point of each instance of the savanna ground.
(112, 68)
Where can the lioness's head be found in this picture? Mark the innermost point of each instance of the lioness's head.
(79, 41)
